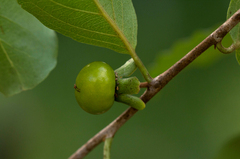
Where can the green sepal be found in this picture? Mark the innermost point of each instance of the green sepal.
(130, 100)
(128, 85)
(127, 69)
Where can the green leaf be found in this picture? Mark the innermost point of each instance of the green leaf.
(233, 7)
(106, 23)
(235, 32)
(181, 47)
(28, 50)
(238, 55)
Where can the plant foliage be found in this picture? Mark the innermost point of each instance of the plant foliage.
(106, 23)
(28, 49)
(235, 32)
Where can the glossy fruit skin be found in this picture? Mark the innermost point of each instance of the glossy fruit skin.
(95, 87)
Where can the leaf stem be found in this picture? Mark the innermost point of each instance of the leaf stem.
(141, 66)
(107, 148)
(129, 47)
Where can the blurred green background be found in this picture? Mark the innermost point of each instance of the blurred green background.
(194, 116)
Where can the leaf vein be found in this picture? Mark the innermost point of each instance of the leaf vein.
(79, 10)
(71, 24)
(122, 17)
(123, 38)
(22, 28)
(12, 65)
(114, 16)
(15, 48)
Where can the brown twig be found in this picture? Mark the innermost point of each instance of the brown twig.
(144, 84)
(157, 84)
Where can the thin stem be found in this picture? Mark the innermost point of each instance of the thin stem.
(107, 148)
(108, 131)
(157, 84)
(228, 50)
(144, 85)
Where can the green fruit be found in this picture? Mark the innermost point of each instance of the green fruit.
(95, 87)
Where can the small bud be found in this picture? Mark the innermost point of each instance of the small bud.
(128, 85)
(127, 69)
